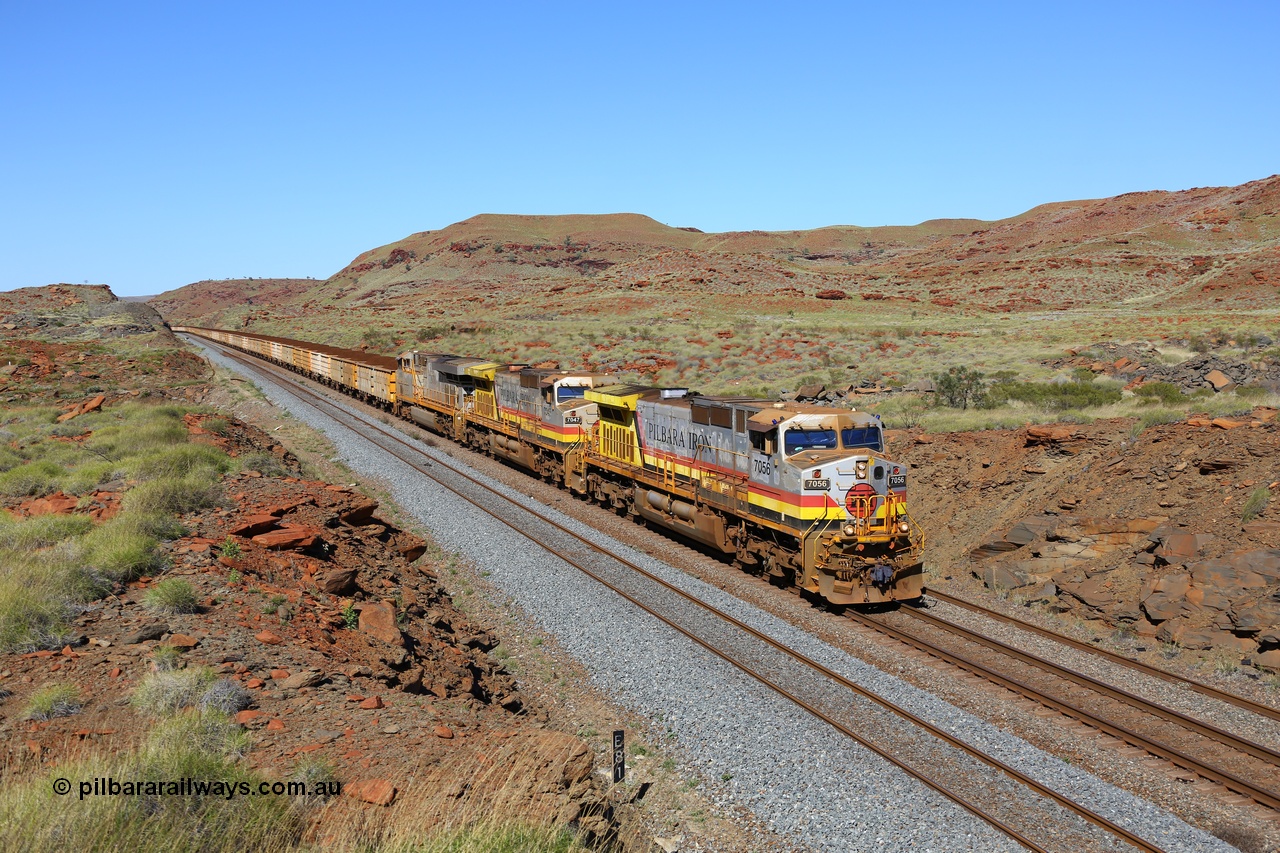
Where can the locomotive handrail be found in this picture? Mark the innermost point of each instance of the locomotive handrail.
(745, 471)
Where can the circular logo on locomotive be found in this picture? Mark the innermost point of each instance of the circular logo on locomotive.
(861, 500)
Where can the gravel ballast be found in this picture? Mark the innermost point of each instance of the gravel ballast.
(806, 781)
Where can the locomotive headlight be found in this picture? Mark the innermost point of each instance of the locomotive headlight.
(904, 527)
(850, 530)
(860, 468)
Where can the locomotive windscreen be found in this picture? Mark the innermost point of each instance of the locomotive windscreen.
(868, 437)
(798, 440)
(570, 392)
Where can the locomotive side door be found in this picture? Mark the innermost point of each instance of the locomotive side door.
(764, 455)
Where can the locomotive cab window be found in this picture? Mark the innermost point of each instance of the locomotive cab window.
(615, 414)
(570, 392)
(858, 437)
(765, 442)
(800, 440)
(466, 383)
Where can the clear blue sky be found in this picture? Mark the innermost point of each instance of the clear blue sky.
(149, 145)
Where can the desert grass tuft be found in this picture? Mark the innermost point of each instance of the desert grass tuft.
(58, 700)
(166, 693)
(41, 531)
(36, 478)
(266, 464)
(174, 495)
(181, 461)
(217, 426)
(1256, 504)
(172, 595)
(1155, 417)
(37, 591)
(87, 476)
(195, 746)
(121, 553)
(166, 658)
(492, 836)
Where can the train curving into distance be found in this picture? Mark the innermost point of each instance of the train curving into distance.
(801, 493)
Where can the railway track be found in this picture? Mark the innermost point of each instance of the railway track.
(1016, 804)
(1146, 669)
(1241, 766)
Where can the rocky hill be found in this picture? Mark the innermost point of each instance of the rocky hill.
(765, 310)
(1166, 536)
(74, 342)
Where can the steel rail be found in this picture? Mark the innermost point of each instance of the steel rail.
(1199, 687)
(1041, 789)
(1149, 706)
(1171, 754)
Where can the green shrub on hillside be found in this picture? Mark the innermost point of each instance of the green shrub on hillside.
(1167, 393)
(1075, 394)
(427, 333)
(959, 387)
(378, 340)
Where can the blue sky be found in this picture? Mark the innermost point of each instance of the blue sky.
(149, 145)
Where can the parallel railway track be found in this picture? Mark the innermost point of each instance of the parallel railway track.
(1026, 810)
(1238, 764)
(1191, 684)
